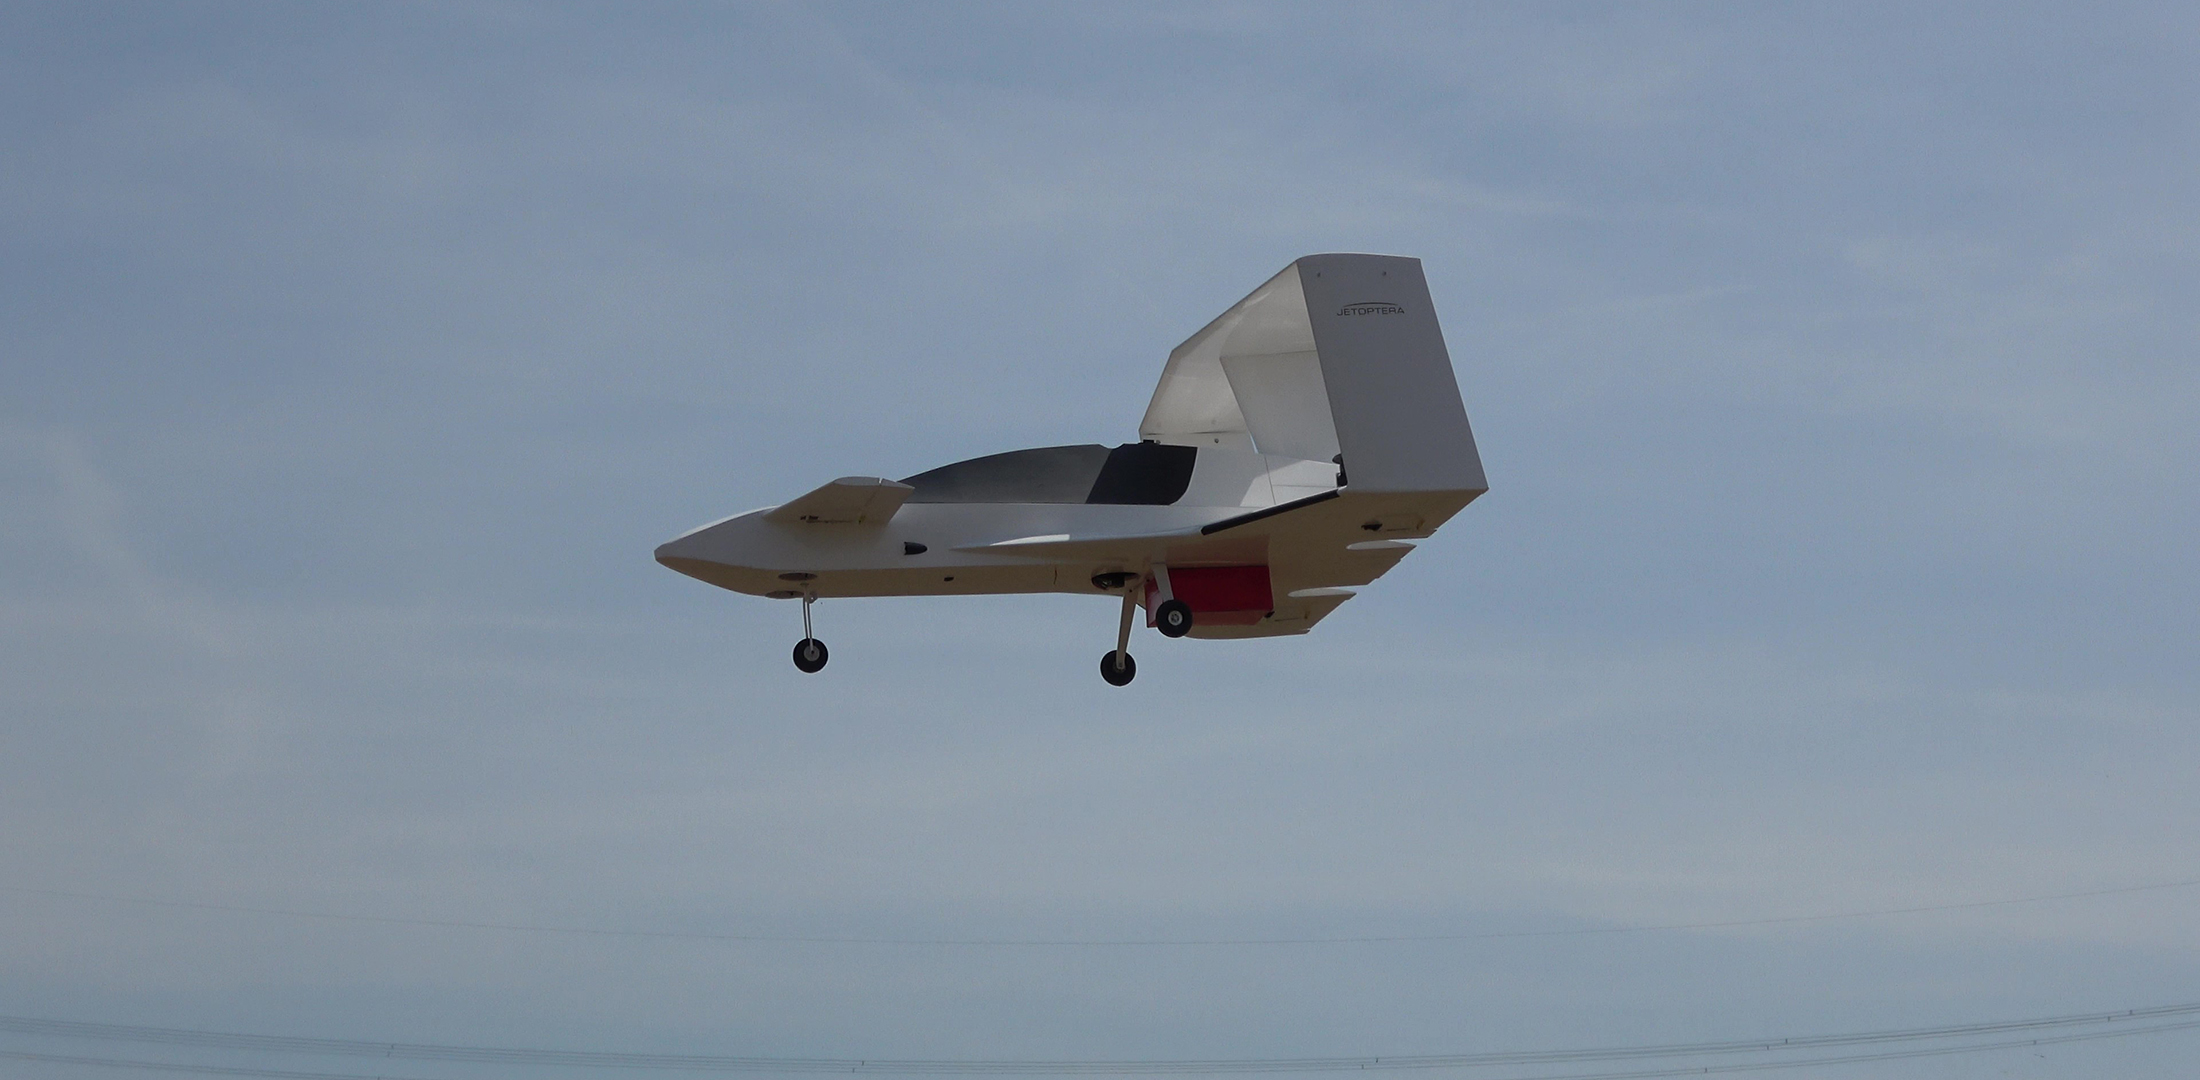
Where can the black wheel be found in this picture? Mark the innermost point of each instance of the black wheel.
(1118, 676)
(810, 655)
(1173, 618)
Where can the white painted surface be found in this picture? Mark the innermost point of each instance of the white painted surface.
(850, 500)
(1229, 476)
(1285, 404)
(1338, 353)
(1194, 398)
(1391, 388)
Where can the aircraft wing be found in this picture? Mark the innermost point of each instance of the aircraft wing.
(1128, 548)
(850, 500)
(1314, 548)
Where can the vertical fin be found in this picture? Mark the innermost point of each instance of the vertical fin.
(1392, 395)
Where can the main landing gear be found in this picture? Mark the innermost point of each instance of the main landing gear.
(1172, 617)
(810, 654)
(1117, 667)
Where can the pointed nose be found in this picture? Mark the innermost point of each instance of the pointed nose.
(685, 551)
(683, 556)
(678, 548)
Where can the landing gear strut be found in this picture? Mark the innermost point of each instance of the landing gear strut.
(1117, 667)
(809, 653)
(1171, 616)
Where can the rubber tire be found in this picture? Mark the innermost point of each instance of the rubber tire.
(1173, 618)
(816, 661)
(1114, 677)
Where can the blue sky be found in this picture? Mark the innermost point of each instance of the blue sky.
(1833, 366)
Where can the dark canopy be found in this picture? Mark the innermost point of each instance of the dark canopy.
(1147, 474)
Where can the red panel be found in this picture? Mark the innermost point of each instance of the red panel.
(1219, 595)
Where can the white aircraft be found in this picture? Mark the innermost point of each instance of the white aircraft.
(1294, 447)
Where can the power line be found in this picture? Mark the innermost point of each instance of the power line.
(2119, 1022)
(187, 1067)
(1129, 1068)
(834, 939)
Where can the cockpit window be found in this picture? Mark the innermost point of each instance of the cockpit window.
(1133, 474)
(1048, 474)
(1144, 474)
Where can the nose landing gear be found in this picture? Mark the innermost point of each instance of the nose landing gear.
(810, 654)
